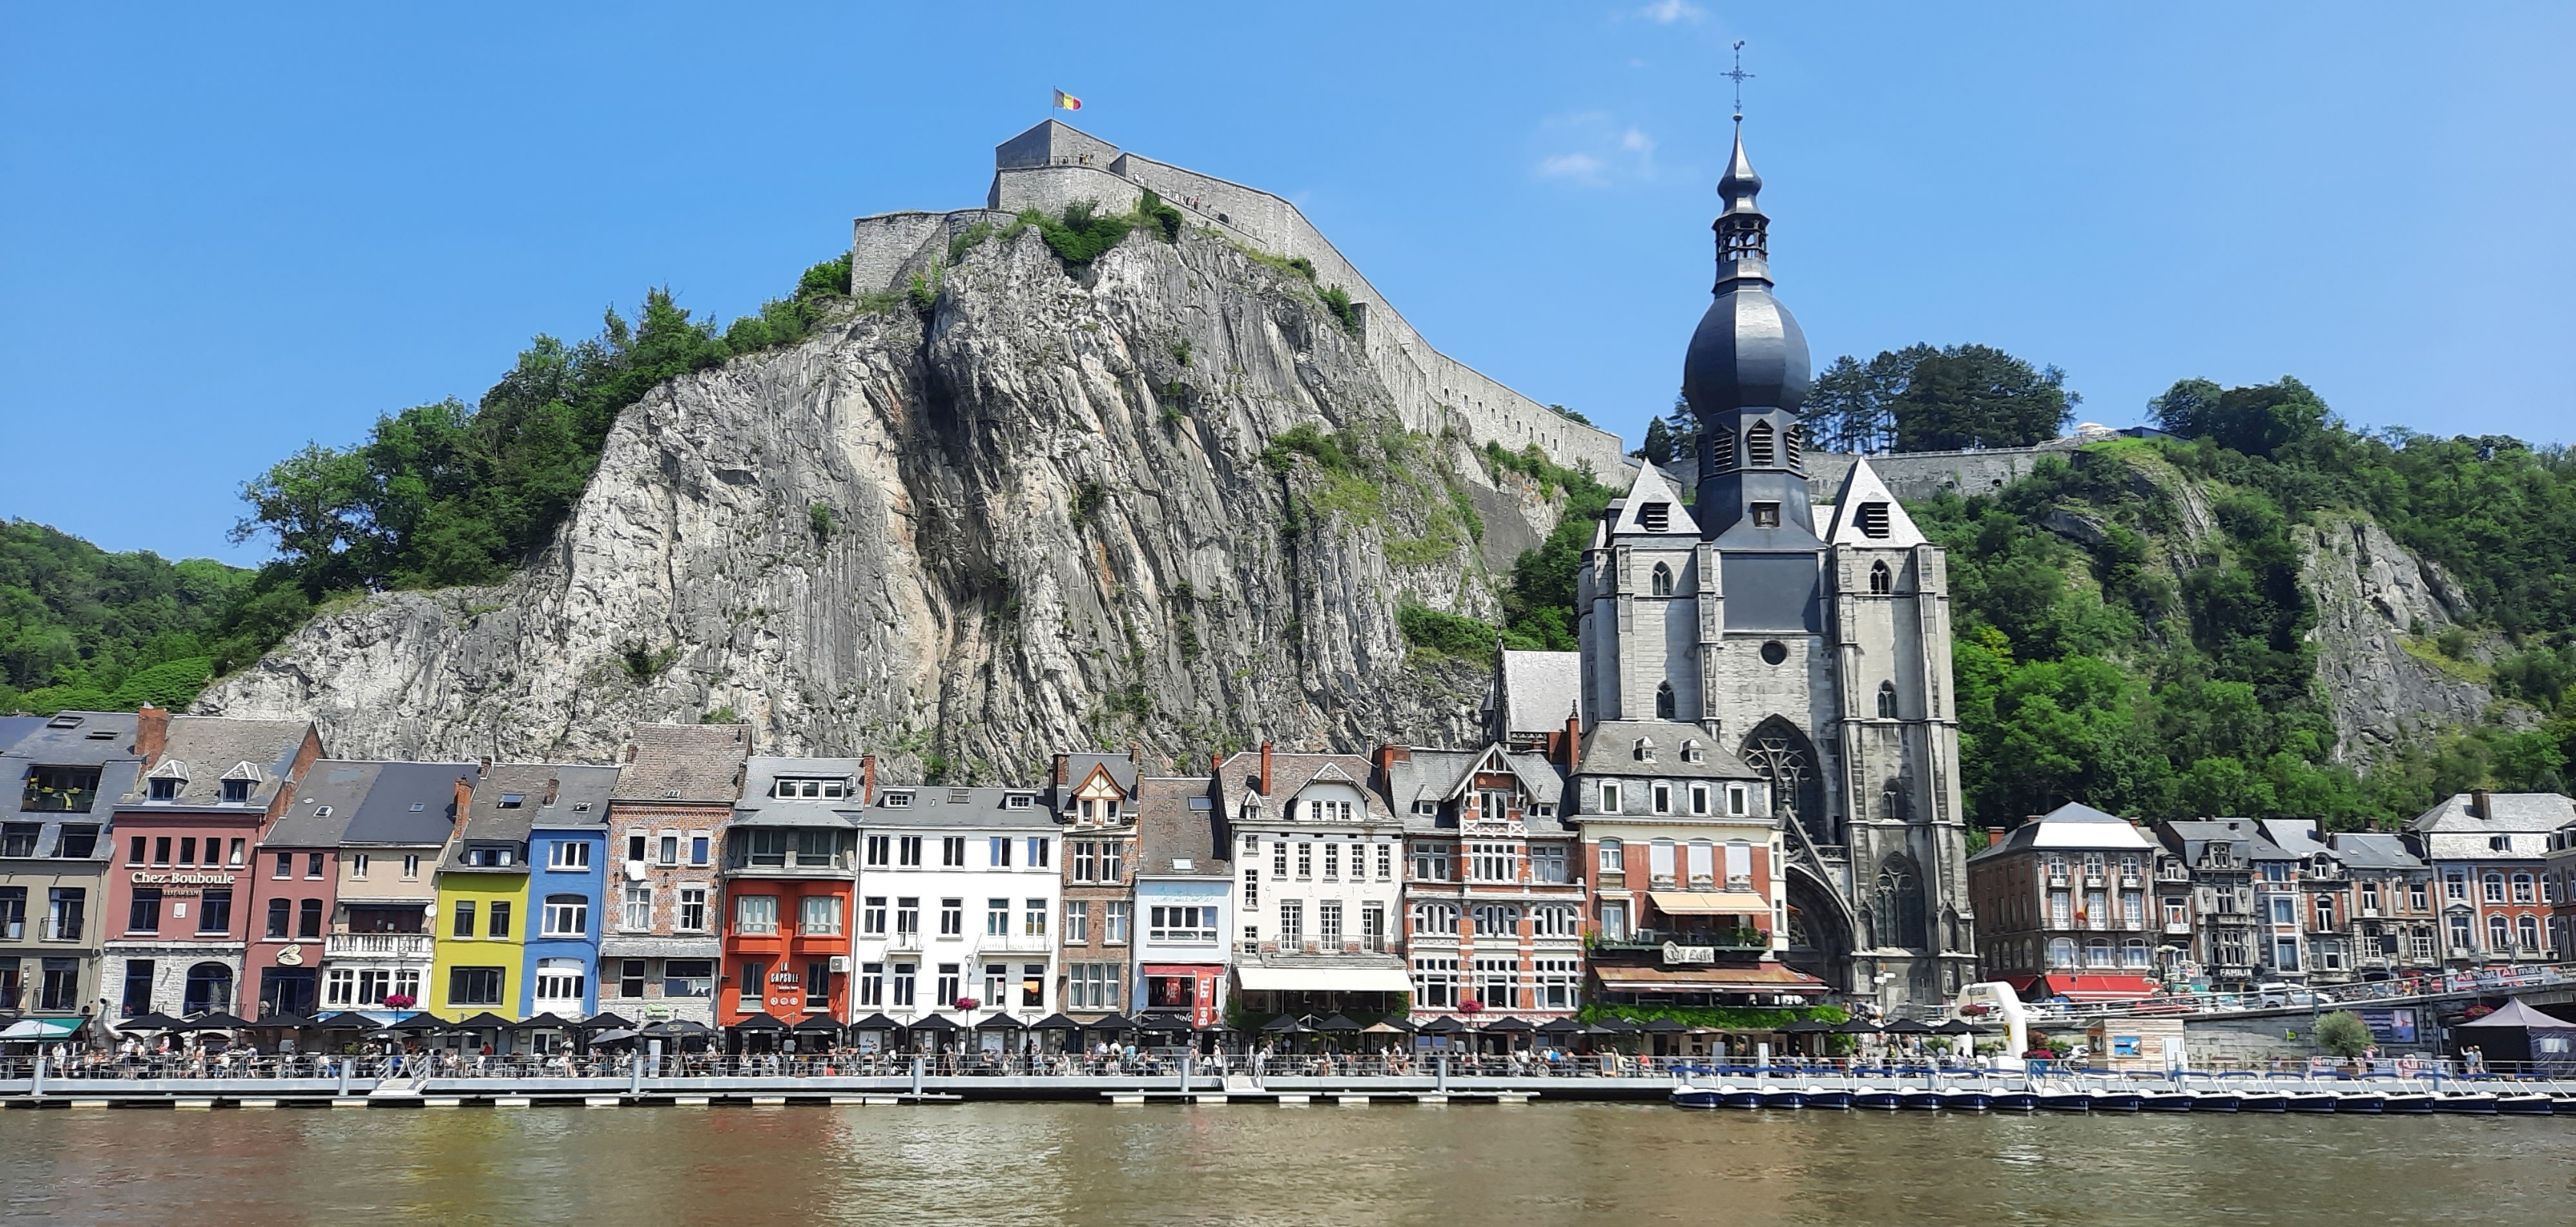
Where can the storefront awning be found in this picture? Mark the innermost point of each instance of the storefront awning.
(1323, 980)
(1709, 903)
(614, 947)
(42, 1030)
(1764, 978)
(2095, 988)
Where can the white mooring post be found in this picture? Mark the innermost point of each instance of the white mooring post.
(1444, 1073)
(36, 1088)
(916, 1075)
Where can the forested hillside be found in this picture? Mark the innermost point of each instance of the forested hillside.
(81, 627)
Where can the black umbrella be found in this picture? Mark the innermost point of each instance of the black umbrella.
(817, 1024)
(1560, 1026)
(283, 1020)
(1855, 1026)
(345, 1020)
(1908, 1026)
(1509, 1026)
(936, 1022)
(613, 1035)
(1662, 1026)
(760, 1022)
(876, 1022)
(1443, 1025)
(1165, 1022)
(547, 1021)
(1113, 1022)
(1287, 1024)
(676, 1029)
(607, 1022)
(484, 1021)
(155, 1021)
(1956, 1026)
(1055, 1022)
(999, 1022)
(1338, 1023)
(218, 1020)
(422, 1022)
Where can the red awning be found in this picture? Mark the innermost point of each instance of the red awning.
(2020, 985)
(1762, 978)
(2097, 988)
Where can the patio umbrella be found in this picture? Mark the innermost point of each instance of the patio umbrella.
(613, 1035)
(1509, 1026)
(1055, 1022)
(939, 1023)
(1382, 1027)
(283, 1020)
(345, 1020)
(547, 1021)
(876, 1022)
(219, 1020)
(1162, 1022)
(484, 1021)
(1598, 1029)
(1560, 1026)
(1662, 1026)
(1855, 1026)
(422, 1023)
(1287, 1024)
(1956, 1026)
(759, 1022)
(1443, 1025)
(676, 1029)
(999, 1022)
(816, 1024)
(155, 1021)
(607, 1022)
(1111, 1022)
(1338, 1023)
(1908, 1026)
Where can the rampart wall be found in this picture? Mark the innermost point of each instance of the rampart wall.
(1915, 476)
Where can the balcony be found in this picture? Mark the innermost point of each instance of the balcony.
(1017, 943)
(376, 946)
(1739, 941)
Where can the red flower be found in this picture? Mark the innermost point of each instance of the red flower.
(967, 1003)
(1471, 1006)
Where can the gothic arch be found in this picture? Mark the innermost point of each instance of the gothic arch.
(1897, 896)
(1661, 584)
(1783, 755)
(1665, 701)
(1820, 927)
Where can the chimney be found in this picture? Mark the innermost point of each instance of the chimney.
(1059, 770)
(868, 778)
(2478, 805)
(553, 785)
(1995, 835)
(1573, 737)
(1265, 768)
(1216, 761)
(464, 800)
(151, 733)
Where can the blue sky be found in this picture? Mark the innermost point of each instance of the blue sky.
(225, 231)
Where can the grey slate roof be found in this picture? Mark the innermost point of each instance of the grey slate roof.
(1610, 749)
(938, 805)
(581, 796)
(2296, 836)
(2373, 850)
(37, 745)
(2506, 812)
(212, 747)
(1293, 772)
(699, 763)
(2068, 826)
(758, 808)
(1078, 767)
(12, 728)
(411, 804)
(1168, 829)
(1440, 775)
(1540, 689)
(2243, 837)
(329, 798)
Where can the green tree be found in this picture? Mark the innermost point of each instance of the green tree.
(2256, 421)
(1977, 396)
(1658, 449)
(2343, 1034)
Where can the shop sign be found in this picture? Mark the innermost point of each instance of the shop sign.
(1675, 953)
(183, 879)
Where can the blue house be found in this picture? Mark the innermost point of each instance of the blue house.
(567, 889)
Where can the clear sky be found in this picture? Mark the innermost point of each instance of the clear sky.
(228, 230)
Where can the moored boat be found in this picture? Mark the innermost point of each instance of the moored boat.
(1696, 1097)
(2013, 1101)
(1740, 1097)
(1783, 1097)
(1924, 1101)
(2216, 1101)
(2310, 1101)
(2263, 1101)
(2407, 1103)
(2168, 1101)
(2525, 1104)
(2066, 1101)
(1878, 1097)
(2118, 1101)
(1827, 1097)
(1966, 1100)
(2466, 1103)
(2364, 1103)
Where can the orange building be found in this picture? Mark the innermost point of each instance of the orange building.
(790, 869)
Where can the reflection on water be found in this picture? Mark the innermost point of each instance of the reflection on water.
(1078, 1163)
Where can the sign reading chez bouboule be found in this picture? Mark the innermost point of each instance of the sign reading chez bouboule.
(1676, 953)
(183, 879)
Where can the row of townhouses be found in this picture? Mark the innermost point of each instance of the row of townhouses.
(173, 864)
(2098, 905)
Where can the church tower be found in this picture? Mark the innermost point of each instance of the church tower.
(1819, 657)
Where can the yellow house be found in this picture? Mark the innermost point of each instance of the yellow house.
(482, 922)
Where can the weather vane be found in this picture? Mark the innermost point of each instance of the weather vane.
(1739, 75)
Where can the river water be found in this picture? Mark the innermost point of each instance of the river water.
(1028, 1164)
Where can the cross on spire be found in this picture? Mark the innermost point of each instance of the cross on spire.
(1739, 76)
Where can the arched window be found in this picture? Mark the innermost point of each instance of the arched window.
(2061, 952)
(2097, 953)
(1881, 580)
(1787, 760)
(2495, 888)
(1891, 800)
(2522, 888)
(2499, 936)
(1665, 703)
(1887, 700)
(1662, 581)
(2530, 928)
(210, 987)
(1900, 903)
(1440, 918)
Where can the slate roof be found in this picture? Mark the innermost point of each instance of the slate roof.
(1291, 773)
(2071, 826)
(1440, 775)
(37, 745)
(938, 805)
(324, 804)
(2372, 850)
(411, 804)
(1610, 749)
(581, 796)
(758, 808)
(1078, 767)
(1167, 828)
(1539, 689)
(212, 747)
(2243, 836)
(689, 763)
(2506, 812)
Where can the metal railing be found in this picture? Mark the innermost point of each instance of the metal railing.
(2404, 989)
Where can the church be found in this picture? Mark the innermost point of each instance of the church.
(1750, 634)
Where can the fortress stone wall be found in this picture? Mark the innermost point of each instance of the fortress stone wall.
(1052, 165)
(1915, 476)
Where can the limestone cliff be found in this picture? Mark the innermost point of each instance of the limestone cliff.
(1036, 515)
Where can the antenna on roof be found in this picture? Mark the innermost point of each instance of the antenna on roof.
(1739, 76)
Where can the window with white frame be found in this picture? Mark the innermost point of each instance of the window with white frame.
(1435, 919)
(1498, 983)
(635, 907)
(1613, 856)
(568, 854)
(997, 917)
(358, 864)
(1609, 797)
(1185, 924)
(1386, 861)
(1114, 917)
(1431, 863)
(1077, 922)
(567, 915)
(1033, 918)
(1435, 983)
(1557, 984)
(1493, 862)
(1660, 860)
(1305, 859)
(1556, 920)
(560, 980)
(755, 915)
(819, 915)
(1292, 923)
(1332, 862)
(1497, 920)
(692, 916)
(1251, 887)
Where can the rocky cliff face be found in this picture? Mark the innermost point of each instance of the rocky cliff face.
(1036, 516)
(2372, 595)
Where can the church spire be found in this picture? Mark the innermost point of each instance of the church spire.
(1743, 232)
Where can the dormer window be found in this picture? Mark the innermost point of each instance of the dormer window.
(1643, 750)
(1871, 520)
(1426, 809)
(1655, 517)
(513, 800)
(825, 789)
(1758, 450)
(1020, 800)
(1881, 580)
(236, 791)
(1690, 751)
(898, 800)
(1661, 584)
(166, 789)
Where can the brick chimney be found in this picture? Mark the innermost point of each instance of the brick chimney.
(1389, 754)
(1265, 768)
(151, 733)
(1216, 761)
(2478, 805)
(1573, 738)
(554, 784)
(868, 777)
(1059, 769)
(464, 801)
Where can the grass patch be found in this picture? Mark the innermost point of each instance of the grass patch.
(1436, 634)
(2429, 651)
